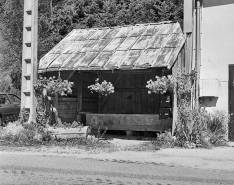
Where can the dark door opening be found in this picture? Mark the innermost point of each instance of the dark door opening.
(231, 102)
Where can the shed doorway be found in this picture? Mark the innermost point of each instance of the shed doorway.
(231, 102)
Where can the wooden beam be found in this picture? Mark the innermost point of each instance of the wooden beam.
(115, 83)
(175, 109)
(79, 96)
(133, 71)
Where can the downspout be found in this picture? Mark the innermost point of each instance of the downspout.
(198, 49)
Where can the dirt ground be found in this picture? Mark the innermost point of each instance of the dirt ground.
(219, 158)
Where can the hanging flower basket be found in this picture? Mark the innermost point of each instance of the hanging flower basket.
(161, 85)
(105, 88)
(53, 86)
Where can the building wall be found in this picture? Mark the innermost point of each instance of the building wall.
(217, 49)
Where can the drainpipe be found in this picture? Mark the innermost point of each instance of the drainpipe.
(198, 49)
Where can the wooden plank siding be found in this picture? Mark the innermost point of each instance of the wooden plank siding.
(131, 95)
(67, 109)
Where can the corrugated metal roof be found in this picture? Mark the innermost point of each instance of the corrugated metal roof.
(132, 47)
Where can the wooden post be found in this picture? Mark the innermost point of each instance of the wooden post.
(29, 58)
(175, 109)
(79, 96)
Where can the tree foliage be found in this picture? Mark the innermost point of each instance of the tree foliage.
(58, 17)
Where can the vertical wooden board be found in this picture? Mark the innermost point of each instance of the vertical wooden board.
(118, 102)
(119, 84)
(138, 102)
(144, 102)
(124, 103)
(144, 95)
(126, 81)
(137, 80)
(109, 106)
(79, 95)
(156, 103)
(132, 81)
(133, 97)
(143, 80)
(150, 106)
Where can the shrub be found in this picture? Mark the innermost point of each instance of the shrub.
(18, 134)
(218, 128)
(164, 140)
(198, 128)
(195, 127)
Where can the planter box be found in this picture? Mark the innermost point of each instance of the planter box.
(70, 133)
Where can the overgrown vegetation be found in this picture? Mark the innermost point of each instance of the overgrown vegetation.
(195, 127)
(19, 135)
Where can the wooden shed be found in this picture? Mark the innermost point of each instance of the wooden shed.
(127, 57)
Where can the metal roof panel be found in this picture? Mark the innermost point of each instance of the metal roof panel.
(163, 58)
(137, 31)
(86, 60)
(100, 60)
(74, 47)
(114, 44)
(100, 45)
(98, 34)
(89, 44)
(47, 60)
(131, 58)
(142, 42)
(110, 34)
(127, 43)
(147, 58)
(165, 29)
(151, 30)
(158, 41)
(85, 34)
(115, 60)
(174, 40)
(73, 60)
(124, 31)
(59, 60)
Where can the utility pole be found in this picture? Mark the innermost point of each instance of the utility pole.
(29, 58)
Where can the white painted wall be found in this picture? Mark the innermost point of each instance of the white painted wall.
(218, 48)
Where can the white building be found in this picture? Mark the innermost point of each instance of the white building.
(210, 26)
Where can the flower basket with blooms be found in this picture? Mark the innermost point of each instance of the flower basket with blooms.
(53, 86)
(105, 88)
(161, 85)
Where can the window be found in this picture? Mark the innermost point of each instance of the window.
(14, 99)
(4, 99)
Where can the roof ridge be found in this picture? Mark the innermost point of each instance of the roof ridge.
(129, 25)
